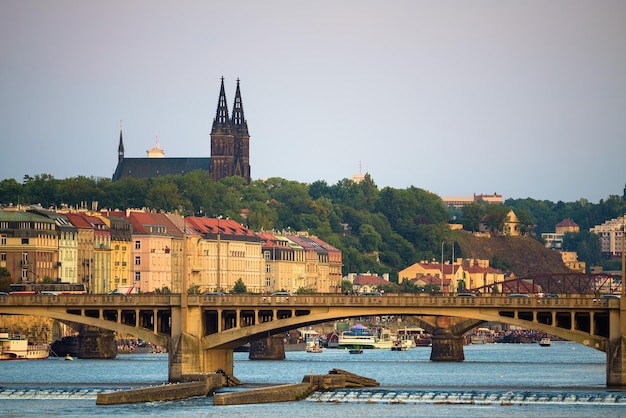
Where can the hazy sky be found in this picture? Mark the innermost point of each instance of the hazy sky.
(522, 98)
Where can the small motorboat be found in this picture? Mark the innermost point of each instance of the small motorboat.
(356, 351)
(545, 342)
(68, 357)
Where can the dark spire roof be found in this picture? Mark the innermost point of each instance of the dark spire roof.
(221, 123)
(239, 121)
(120, 147)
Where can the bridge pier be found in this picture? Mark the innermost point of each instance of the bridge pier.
(616, 350)
(185, 353)
(446, 347)
(96, 343)
(446, 344)
(269, 348)
(616, 363)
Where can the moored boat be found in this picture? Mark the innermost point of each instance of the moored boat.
(359, 336)
(545, 342)
(19, 348)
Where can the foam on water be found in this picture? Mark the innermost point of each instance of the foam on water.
(466, 397)
(48, 393)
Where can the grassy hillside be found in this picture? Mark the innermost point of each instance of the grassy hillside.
(526, 255)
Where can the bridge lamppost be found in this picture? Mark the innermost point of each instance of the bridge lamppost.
(623, 257)
(442, 244)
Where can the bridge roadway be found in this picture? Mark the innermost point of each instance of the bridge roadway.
(201, 331)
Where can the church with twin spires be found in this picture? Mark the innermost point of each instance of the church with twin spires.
(230, 149)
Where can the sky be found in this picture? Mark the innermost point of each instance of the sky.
(526, 99)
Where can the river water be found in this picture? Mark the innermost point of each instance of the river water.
(514, 380)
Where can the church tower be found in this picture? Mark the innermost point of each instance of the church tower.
(120, 147)
(230, 140)
(222, 141)
(241, 138)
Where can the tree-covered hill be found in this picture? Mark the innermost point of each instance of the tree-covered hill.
(378, 230)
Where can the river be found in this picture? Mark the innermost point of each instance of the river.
(516, 380)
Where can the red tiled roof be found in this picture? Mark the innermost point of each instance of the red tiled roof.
(567, 223)
(369, 280)
(78, 220)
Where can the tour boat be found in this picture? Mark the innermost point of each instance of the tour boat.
(19, 348)
(360, 337)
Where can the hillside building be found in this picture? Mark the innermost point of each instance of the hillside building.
(611, 236)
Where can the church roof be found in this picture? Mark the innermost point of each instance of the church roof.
(154, 167)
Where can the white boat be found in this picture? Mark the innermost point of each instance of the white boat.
(19, 348)
(399, 346)
(361, 338)
(402, 341)
(545, 342)
(313, 347)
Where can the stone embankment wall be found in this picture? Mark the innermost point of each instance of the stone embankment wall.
(35, 328)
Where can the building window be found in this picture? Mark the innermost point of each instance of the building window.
(3, 239)
(268, 268)
(137, 276)
(3, 257)
(24, 241)
(268, 282)
(138, 245)
(137, 261)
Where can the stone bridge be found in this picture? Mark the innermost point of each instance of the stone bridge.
(201, 331)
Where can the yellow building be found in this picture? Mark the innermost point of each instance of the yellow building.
(120, 260)
(225, 251)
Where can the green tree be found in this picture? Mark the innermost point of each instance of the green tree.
(239, 287)
(10, 191)
(369, 238)
(5, 279)
(472, 214)
(497, 216)
(163, 195)
(346, 286)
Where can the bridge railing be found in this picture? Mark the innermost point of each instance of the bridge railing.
(90, 300)
(399, 300)
(254, 300)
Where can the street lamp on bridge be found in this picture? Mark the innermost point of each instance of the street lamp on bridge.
(442, 244)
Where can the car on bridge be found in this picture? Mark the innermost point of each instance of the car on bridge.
(610, 296)
(465, 295)
(214, 294)
(282, 294)
(518, 295)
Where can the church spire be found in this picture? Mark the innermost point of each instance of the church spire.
(239, 121)
(221, 123)
(120, 147)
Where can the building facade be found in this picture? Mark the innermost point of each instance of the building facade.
(611, 236)
(158, 252)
